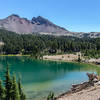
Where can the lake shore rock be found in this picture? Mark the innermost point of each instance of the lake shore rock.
(85, 91)
(62, 57)
(72, 58)
(91, 93)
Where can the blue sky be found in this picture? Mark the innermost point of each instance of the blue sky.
(74, 15)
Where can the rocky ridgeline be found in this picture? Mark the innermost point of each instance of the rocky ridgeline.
(39, 25)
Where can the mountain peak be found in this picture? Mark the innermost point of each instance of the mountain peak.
(41, 21)
(37, 25)
(40, 17)
(14, 15)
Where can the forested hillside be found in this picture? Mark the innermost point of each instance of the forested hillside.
(46, 44)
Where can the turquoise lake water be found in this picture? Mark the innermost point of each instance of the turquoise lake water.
(41, 77)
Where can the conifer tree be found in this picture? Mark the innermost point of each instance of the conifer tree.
(15, 92)
(50, 96)
(21, 93)
(8, 85)
(2, 91)
(79, 59)
(12, 90)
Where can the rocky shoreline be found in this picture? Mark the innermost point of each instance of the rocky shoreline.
(90, 93)
(85, 91)
(72, 58)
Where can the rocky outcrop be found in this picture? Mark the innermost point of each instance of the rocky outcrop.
(93, 79)
(37, 25)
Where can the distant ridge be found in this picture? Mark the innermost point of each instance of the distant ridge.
(37, 25)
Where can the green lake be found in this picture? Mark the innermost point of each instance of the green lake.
(41, 77)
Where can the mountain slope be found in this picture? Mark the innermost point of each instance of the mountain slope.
(36, 25)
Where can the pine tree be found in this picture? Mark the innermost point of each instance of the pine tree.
(15, 92)
(21, 93)
(79, 59)
(50, 96)
(8, 85)
(2, 91)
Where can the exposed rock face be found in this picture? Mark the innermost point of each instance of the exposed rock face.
(16, 24)
(37, 24)
(89, 35)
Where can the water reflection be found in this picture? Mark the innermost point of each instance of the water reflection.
(40, 77)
